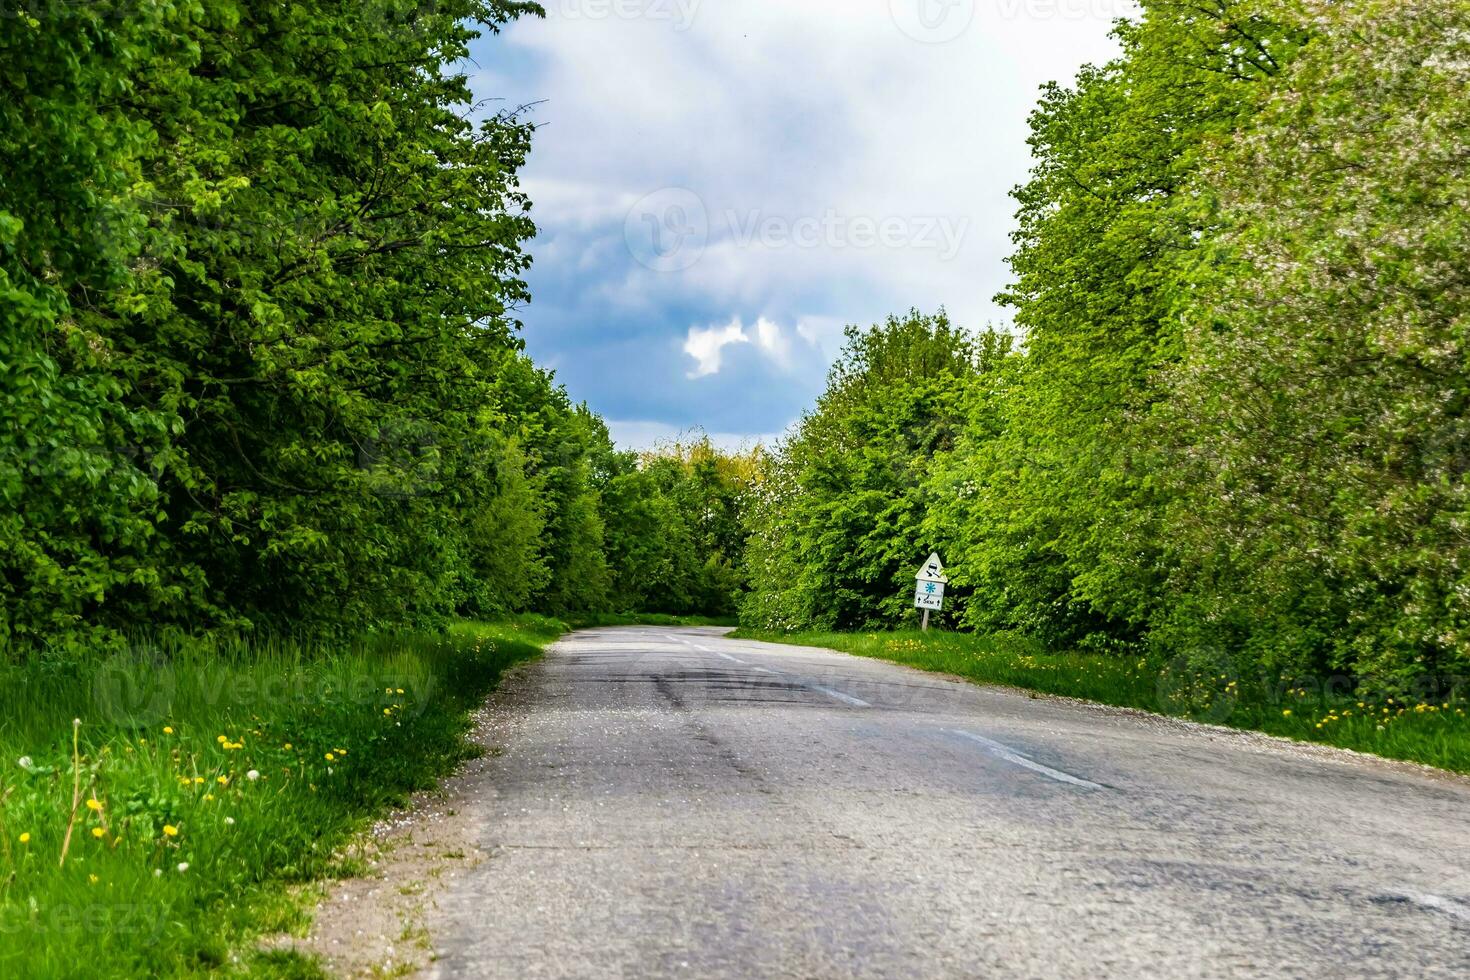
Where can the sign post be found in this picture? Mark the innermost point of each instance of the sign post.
(929, 594)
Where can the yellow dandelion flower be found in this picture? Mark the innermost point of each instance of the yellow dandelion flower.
(208, 797)
(223, 780)
(94, 806)
(98, 833)
(331, 757)
(287, 746)
(25, 838)
(169, 830)
(387, 711)
(167, 730)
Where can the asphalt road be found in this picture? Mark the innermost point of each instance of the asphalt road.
(671, 803)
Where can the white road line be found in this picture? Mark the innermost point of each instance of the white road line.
(1011, 756)
(704, 649)
(838, 695)
(844, 698)
(1440, 904)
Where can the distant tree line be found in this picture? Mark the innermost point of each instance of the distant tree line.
(260, 268)
(1234, 417)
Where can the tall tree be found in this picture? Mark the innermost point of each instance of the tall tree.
(838, 525)
(1073, 505)
(1321, 410)
(79, 458)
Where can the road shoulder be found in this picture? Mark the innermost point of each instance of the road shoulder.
(376, 925)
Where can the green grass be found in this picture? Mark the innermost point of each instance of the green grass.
(189, 787)
(1435, 733)
(589, 620)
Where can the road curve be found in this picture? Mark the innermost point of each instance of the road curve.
(671, 803)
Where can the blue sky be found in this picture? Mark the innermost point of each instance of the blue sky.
(721, 185)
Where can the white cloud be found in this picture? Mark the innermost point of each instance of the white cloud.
(787, 111)
(773, 342)
(822, 332)
(707, 345)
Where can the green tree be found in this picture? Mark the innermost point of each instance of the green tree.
(261, 266)
(1319, 415)
(349, 251)
(1071, 502)
(675, 527)
(839, 523)
(79, 459)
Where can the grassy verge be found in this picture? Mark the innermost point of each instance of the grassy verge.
(155, 807)
(1434, 732)
(589, 620)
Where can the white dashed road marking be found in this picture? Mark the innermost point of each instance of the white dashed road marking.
(1009, 755)
(844, 698)
(1439, 903)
